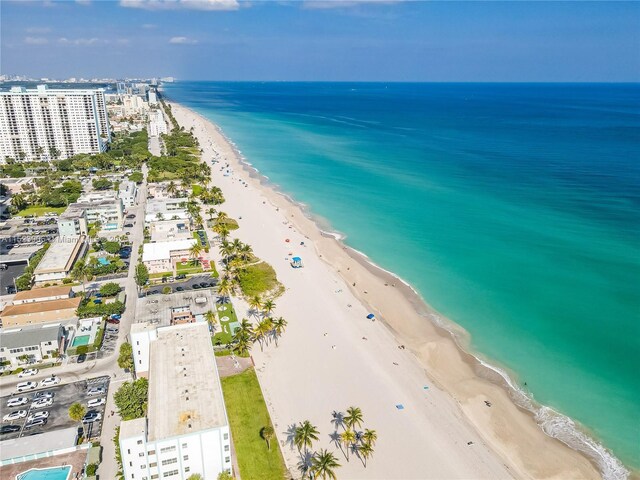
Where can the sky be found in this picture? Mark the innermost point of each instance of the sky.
(322, 40)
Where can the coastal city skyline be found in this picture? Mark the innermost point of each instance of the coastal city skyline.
(320, 40)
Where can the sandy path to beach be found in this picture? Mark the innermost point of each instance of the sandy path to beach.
(332, 357)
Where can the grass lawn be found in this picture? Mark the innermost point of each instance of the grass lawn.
(160, 275)
(247, 416)
(188, 268)
(224, 333)
(258, 279)
(38, 211)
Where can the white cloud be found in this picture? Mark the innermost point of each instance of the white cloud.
(38, 30)
(80, 42)
(323, 4)
(35, 40)
(185, 4)
(149, 26)
(182, 41)
(83, 2)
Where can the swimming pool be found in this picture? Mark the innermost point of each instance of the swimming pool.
(54, 473)
(81, 340)
(103, 261)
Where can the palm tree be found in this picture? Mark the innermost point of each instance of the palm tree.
(211, 212)
(222, 217)
(255, 303)
(267, 433)
(369, 437)
(237, 245)
(324, 464)
(81, 271)
(172, 188)
(365, 451)
(195, 251)
(305, 435)
(262, 330)
(347, 438)
(76, 412)
(353, 418)
(226, 250)
(19, 202)
(268, 307)
(278, 324)
(210, 317)
(224, 289)
(159, 216)
(245, 252)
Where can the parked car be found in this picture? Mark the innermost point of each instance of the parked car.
(113, 321)
(93, 391)
(25, 386)
(96, 402)
(81, 358)
(28, 372)
(182, 276)
(50, 381)
(196, 286)
(131, 215)
(18, 414)
(116, 316)
(40, 395)
(38, 422)
(42, 403)
(38, 415)
(17, 402)
(9, 429)
(179, 289)
(128, 225)
(91, 416)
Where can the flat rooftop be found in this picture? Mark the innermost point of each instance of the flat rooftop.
(60, 255)
(156, 309)
(185, 395)
(162, 250)
(33, 444)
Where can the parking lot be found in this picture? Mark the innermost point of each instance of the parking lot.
(185, 285)
(64, 396)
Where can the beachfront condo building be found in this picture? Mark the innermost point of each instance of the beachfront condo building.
(186, 430)
(48, 124)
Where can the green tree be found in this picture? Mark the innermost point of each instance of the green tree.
(268, 307)
(82, 272)
(131, 399)
(195, 250)
(279, 324)
(304, 436)
(255, 303)
(324, 464)
(262, 330)
(136, 177)
(196, 476)
(365, 451)
(141, 275)
(353, 418)
(77, 411)
(110, 289)
(125, 357)
(225, 476)
(102, 184)
(369, 436)
(267, 434)
(111, 247)
(347, 438)
(210, 317)
(19, 202)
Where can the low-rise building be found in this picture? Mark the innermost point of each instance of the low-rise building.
(36, 313)
(57, 262)
(104, 207)
(159, 209)
(73, 221)
(186, 430)
(43, 295)
(165, 230)
(20, 346)
(161, 257)
(128, 193)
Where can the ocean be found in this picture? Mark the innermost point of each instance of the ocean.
(513, 209)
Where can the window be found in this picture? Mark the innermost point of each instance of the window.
(227, 459)
(139, 442)
(153, 464)
(152, 452)
(169, 461)
(226, 448)
(226, 436)
(154, 476)
(185, 457)
(184, 445)
(142, 467)
(141, 454)
(170, 474)
(172, 448)
(187, 469)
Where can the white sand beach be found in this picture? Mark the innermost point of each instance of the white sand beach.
(332, 357)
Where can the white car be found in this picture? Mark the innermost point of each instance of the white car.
(37, 416)
(91, 417)
(49, 381)
(10, 417)
(24, 386)
(17, 402)
(96, 402)
(28, 372)
(42, 403)
(92, 392)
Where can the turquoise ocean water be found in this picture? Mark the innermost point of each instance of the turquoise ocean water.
(514, 209)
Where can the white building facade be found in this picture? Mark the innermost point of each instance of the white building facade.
(47, 124)
(186, 430)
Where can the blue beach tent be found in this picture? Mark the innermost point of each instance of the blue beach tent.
(296, 262)
(371, 316)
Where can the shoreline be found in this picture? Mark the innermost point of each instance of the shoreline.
(438, 346)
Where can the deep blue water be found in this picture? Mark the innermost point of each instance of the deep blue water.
(514, 209)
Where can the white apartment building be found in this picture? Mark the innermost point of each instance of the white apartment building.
(36, 343)
(104, 207)
(44, 124)
(158, 209)
(153, 97)
(72, 222)
(157, 124)
(186, 430)
(161, 256)
(128, 193)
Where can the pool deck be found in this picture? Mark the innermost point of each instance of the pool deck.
(75, 459)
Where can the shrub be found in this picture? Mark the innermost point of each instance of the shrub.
(131, 399)
(91, 469)
(166, 290)
(125, 358)
(90, 309)
(110, 289)
(67, 281)
(82, 350)
(112, 247)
